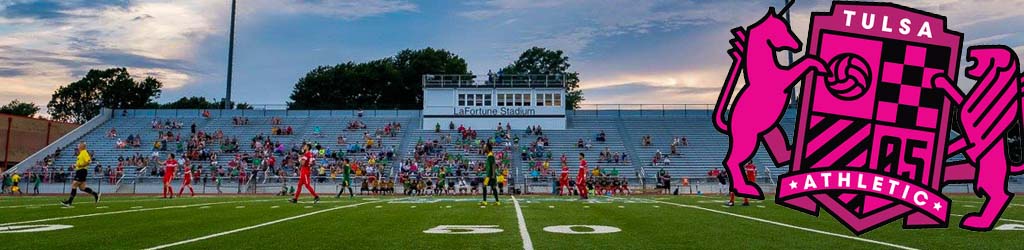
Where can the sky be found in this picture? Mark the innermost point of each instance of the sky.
(627, 52)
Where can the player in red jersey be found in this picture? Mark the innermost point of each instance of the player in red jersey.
(170, 166)
(581, 178)
(186, 179)
(307, 163)
(563, 180)
(751, 173)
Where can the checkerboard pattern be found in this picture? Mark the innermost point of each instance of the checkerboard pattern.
(906, 97)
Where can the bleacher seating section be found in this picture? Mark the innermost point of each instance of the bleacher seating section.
(705, 150)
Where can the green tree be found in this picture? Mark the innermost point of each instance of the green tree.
(393, 82)
(113, 88)
(194, 102)
(17, 107)
(543, 61)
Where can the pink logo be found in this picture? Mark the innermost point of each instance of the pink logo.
(871, 135)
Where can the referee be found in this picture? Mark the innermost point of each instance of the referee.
(81, 173)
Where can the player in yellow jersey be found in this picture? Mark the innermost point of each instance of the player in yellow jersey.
(81, 173)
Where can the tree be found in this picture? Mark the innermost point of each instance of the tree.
(542, 61)
(17, 107)
(195, 102)
(392, 82)
(113, 88)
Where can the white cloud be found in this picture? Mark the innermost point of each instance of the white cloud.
(348, 9)
(157, 38)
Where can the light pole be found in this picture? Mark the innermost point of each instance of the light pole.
(231, 57)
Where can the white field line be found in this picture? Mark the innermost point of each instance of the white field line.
(257, 226)
(125, 211)
(1002, 219)
(55, 203)
(523, 233)
(789, 226)
(979, 202)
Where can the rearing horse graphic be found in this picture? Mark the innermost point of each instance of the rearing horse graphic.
(761, 102)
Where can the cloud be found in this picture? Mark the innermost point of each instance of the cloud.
(45, 44)
(650, 93)
(348, 10)
(989, 39)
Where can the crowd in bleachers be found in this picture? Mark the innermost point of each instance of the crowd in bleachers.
(454, 163)
(266, 159)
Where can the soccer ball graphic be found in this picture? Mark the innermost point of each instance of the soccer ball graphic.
(851, 76)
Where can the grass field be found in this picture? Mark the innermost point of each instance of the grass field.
(645, 222)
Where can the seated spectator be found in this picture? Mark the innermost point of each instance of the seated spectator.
(601, 136)
(579, 143)
(112, 133)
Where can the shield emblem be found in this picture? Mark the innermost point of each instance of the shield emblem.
(870, 137)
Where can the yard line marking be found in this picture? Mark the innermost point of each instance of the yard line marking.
(789, 226)
(979, 202)
(58, 204)
(527, 243)
(1017, 221)
(258, 225)
(124, 211)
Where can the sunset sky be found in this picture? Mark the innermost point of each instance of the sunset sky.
(634, 51)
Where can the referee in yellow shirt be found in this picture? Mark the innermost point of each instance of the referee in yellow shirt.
(81, 173)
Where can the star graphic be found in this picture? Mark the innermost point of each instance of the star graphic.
(792, 184)
(937, 206)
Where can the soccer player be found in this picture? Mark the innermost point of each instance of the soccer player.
(187, 180)
(346, 181)
(307, 161)
(581, 178)
(563, 180)
(81, 173)
(490, 180)
(170, 166)
(16, 184)
(441, 183)
(751, 173)
(35, 183)
(625, 186)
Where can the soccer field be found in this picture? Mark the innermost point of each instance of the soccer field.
(538, 222)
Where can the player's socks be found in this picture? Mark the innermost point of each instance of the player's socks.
(95, 195)
(71, 199)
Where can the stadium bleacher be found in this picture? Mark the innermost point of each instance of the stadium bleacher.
(703, 151)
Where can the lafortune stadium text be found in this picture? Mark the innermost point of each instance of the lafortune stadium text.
(502, 111)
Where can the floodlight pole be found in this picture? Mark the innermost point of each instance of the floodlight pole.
(231, 57)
